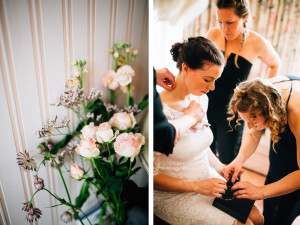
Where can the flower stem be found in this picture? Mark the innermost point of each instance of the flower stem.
(97, 169)
(129, 170)
(37, 170)
(127, 61)
(105, 199)
(37, 154)
(34, 194)
(63, 180)
(118, 206)
(116, 64)
(111, 165)
(112, 97)
(128, 95)
(85, 216)
(84, 112)
(50, 193)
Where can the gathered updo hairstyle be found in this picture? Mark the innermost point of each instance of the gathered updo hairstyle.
(259, 97)
(196, 52)
(241, 7)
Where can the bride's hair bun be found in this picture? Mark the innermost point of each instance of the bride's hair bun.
(175, 50)
(195, 52)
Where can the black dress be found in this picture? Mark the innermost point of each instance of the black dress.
(226, 142)
(283, 209)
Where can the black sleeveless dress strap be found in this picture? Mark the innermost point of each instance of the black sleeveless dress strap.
(281, 210)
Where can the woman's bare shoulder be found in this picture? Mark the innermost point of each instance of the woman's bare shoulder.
(258, 41)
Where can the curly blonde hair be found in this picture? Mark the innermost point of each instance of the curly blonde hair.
(259, 97)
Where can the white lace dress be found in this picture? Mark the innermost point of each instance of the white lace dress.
(188, 161)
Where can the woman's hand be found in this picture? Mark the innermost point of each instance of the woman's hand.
(247, 190)
(210, 187)
(233, 170)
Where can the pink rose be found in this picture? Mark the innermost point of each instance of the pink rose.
(87, 148)
(76, 172)
(104, 133)
(110, 80)
(125, 74)
(129, 144)
(122, 121)
(89, 131)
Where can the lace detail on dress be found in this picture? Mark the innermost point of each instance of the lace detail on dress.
(173, 114)
(156, 155)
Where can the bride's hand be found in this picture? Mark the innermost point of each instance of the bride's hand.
(233, 170)
(210, 187)
(195, 110)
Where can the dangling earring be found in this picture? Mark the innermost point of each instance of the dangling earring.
(244, 34)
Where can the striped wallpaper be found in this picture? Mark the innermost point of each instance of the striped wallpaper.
(38, 40)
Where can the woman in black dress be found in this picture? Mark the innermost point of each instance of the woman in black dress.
(274, 104)
(241, 47)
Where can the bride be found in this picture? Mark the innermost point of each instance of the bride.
(187, 181)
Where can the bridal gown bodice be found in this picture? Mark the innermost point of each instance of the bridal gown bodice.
(189, 161)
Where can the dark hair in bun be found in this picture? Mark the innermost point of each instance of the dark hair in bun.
(196, 52)
(241, 7)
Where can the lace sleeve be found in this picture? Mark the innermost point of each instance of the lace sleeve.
(156, 156)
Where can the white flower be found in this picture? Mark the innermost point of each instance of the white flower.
(66, 217)
(129, 144)
(76, 172)
(122, 121)
(104, 133)
(125, 74)
(110, 80)
(89, 131)
(87, 148)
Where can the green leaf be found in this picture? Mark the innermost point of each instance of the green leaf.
(146, 97)
(62, 143)
(84, 194)
(114, 183)
(98, 108)
(143, 104)
(131, 101)
(142, 150)
(122, 171)
(124, 160)
(98, 157)
(80, 126)
(135, 170)
(44, 162)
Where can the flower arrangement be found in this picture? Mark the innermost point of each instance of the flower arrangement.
(109, 142)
